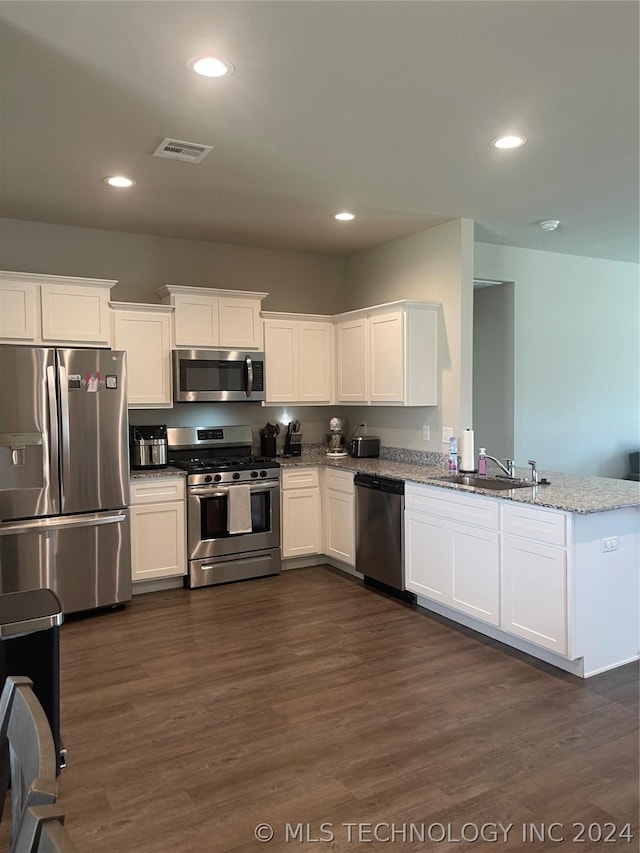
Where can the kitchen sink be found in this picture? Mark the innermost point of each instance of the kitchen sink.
(493, 483)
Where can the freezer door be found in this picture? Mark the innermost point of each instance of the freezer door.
(29, 484)
(94, 443)
(85, 559)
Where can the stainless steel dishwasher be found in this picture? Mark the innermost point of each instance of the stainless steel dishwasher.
(379, 531)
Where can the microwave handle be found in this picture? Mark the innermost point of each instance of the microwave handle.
(249, 364)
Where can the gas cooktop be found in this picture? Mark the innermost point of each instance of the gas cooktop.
(212, 454)
(212, 464)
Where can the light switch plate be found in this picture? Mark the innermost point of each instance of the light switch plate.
(426, 433)
(447, 432)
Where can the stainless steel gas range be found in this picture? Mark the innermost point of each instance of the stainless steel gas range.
(233, 504)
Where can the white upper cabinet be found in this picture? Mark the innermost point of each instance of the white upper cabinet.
(352, 362)
(298, 356)
(207, 318)
(388, 355)
(51, 309)
(386, 358)
(144, 332)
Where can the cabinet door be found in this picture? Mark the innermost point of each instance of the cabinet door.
(196, 320)
(300, 522)
(18, 311)
(534, 592)
(386, 358)
(475, 562)
(352, 361)
(239, 321)
(146, 337)
(158, 545)
(340, 527)
(281, 363)
(315, 345)
(74, 314)
(427, 556)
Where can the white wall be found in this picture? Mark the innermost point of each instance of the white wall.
(493, 390)
(435, 265)
(576, 357)
(295, 281)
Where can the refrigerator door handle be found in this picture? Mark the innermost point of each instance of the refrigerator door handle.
(64, 427)
(52, 524)
(54, 476)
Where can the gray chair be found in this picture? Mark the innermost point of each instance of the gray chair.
(27, 752)
(42, 831)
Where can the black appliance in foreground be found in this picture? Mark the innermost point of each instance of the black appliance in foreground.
(233, 504)
(379, 533)
(30, 646)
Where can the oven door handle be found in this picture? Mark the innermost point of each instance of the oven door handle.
(222, 491)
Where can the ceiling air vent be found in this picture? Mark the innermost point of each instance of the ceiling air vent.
(178, 149)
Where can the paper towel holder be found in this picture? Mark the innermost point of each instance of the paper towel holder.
(468, 464)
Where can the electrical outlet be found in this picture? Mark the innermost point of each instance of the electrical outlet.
(426, 433)
(610, 543)
(447, 432)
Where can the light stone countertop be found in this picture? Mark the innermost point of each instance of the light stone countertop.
(568, 492)
(152, 473)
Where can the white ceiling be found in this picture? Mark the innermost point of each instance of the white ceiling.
(383, 108)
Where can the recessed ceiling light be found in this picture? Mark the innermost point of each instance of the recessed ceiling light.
(210, 66)
(508, 141)
(550, 224)
(345, 216)
(119, 181)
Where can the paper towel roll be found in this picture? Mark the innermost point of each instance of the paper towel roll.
(467, 451)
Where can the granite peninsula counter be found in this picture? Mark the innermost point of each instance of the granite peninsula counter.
(568, 492)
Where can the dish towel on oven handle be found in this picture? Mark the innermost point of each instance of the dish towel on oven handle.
(239, 509)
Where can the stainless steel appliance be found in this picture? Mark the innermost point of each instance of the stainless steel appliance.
(365, 446)
(335, 440)
(64, 475)
(148, 446)
(224, 479)
(216, 376)
(379, 531)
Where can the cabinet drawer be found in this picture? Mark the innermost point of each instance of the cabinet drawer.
(470, 509)
(300, 478)
(542, 525)
(157, 490)
(339, 481)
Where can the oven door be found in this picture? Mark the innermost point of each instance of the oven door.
(208, 534)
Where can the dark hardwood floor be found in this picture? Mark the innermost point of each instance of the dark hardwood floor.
(190, 717)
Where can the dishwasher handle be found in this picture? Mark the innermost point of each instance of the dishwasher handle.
(380, 484)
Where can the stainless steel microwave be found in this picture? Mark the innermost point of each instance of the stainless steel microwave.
(215, 376)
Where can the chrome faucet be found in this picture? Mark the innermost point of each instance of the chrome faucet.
(534, 471)
(508, 468)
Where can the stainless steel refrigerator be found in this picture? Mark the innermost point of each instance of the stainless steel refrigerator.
(64, 477)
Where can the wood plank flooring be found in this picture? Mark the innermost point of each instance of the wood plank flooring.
(190, 717)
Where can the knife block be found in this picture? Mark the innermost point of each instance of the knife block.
(293, 444)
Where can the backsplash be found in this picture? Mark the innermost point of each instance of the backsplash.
(413, 457)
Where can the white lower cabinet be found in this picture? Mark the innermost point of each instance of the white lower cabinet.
(301, 512)
(475, 560)
(339, 516)
(158, 533)
(458, 553)
(427, 562)
(448, 560)
(534, 592)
